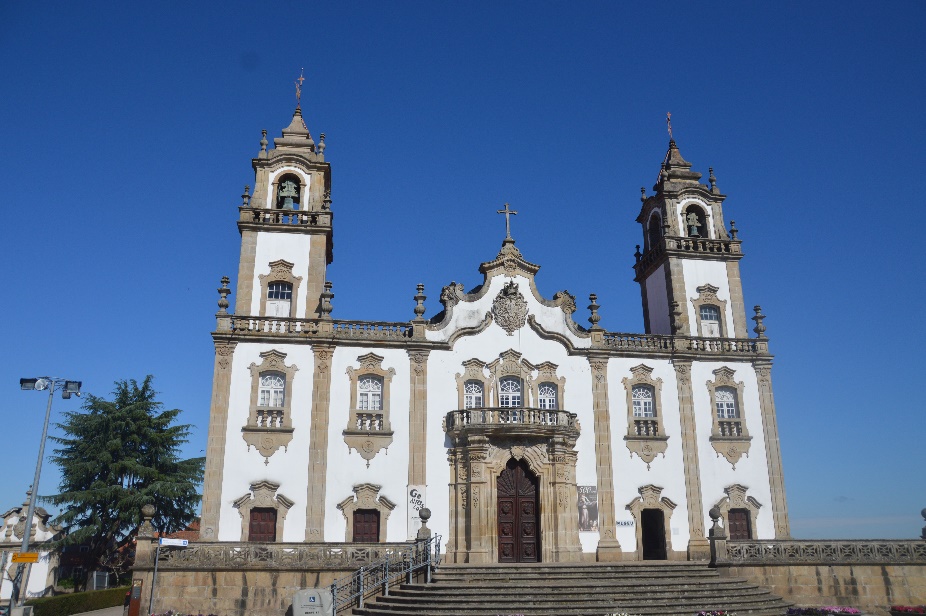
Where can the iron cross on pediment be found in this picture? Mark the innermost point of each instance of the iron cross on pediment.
(507, 212)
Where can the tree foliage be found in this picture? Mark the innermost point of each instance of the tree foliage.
(115, 457)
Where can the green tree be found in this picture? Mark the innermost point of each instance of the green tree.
(115, 457)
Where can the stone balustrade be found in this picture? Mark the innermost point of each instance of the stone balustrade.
(279, 556)
(500, 418)
(774, 551)
(686, 245)
(730, 427)
(318, 328)
(665, 345)
(295, 218)
(646, 427)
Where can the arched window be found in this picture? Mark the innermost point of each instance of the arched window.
(653, 232)
(279, 299)
(472, 395)
(509, 392)
(643, 406)
(546, 395)
(710, 321)
(726, 403)
(370, 393)
(695, 222)
(272, 386)
(288, 195)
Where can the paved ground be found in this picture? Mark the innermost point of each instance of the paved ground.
(110, 611)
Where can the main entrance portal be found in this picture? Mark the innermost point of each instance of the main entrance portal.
(518, 520)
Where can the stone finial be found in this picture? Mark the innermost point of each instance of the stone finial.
(263, 144)
(642, 194)
(224, 292)
(326, 203)
(716, 531)
(637, 254)
(424, 532)
(246, 197)
(326, 297)
(146, 530)
(712, 179)
(320, 148)
(676, 318)
(593, 307)
(759, 328)
(733, 230)
(419, 298)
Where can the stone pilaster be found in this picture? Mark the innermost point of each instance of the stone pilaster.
(736, 299)
(675, 287)
(245, 291)
(480, 518)
(698, 545)
(565, 515)
(609, 548)
(315, 277)
(215, 443)
(318, 445)
(456, 544)
(776, 478)
(418, 417)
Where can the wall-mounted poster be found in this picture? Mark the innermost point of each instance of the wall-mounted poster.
(588, 509)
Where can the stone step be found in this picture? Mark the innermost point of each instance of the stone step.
(604, 587)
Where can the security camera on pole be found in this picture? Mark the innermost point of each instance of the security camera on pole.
(68, 389)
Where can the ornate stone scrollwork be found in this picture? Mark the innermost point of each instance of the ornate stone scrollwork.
(509, 308)
(736, 499)
(651, 498)
(369, 428)
(263, 494)
(280, 271)
(366, 496)
(645, 433)
(269, 424)
(729, 436)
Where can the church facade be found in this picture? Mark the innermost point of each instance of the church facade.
(528, 436)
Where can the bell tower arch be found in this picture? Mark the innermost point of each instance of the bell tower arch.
(688, 269)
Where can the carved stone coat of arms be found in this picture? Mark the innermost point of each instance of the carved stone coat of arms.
(510, 308)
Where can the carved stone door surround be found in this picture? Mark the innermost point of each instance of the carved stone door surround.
(477, 456)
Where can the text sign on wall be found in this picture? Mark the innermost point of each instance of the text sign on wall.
(177, 543)
(415, 502)
(588, 509)
(26, 557)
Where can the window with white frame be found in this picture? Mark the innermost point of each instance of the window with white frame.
(472, 395)
(710, 321)
(272, 387)
(726, 403)
(643, 398)
(546, 395)
(370, 393)
(509, 392)
(279, 299)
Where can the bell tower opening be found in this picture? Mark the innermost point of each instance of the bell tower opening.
(695, 222)
(289, 190)
(518, 514)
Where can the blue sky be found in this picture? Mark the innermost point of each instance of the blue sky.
(130, 128)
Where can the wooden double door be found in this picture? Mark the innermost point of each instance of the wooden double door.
(518, 514)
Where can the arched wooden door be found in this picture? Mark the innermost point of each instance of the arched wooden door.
(518, 515)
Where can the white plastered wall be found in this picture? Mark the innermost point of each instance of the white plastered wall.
(287, 467)
(657, 301)
(292, 247)
(699, 272)
(716, 472)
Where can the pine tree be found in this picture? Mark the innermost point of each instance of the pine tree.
(115, 457)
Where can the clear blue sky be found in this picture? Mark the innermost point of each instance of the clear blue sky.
(129, 129)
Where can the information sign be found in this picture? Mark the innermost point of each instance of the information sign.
(26, 557)
(177, 543)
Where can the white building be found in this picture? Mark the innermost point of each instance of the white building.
(528, 436)
(41, 575)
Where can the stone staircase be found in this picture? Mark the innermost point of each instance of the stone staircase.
(650, 588)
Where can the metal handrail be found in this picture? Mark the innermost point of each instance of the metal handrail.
(424, 554)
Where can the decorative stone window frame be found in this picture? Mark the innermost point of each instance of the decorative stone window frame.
(280, 271)
(473, 370)
(647, 447)
(707, 295)
(730, 447)
(264, 438)
(368, 443)
(546, 373)
(263, 494)
(651, 498)
(366, 496)
(736, 499)
(511, 364)
(275, 188)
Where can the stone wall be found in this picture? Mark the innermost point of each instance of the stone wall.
(870, 587)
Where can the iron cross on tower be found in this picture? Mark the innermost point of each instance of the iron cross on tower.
(507, 212)
(299, 86)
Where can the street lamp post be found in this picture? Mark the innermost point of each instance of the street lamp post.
(68, 388)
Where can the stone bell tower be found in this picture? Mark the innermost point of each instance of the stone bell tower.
(286, 227)
(689, 268)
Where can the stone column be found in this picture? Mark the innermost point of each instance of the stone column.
(609, 548)
(318, 445)
(698, 545)
(215, 442)
(418, 417)
(776, 478)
